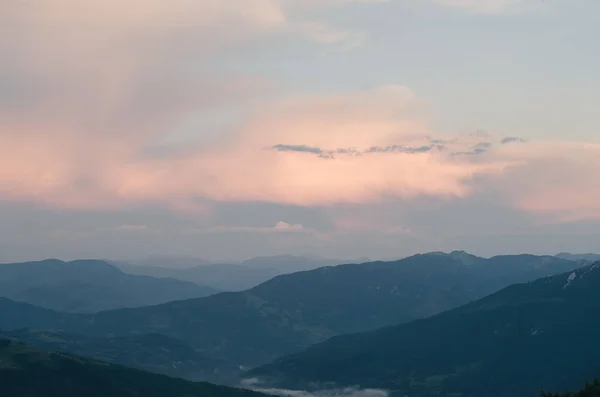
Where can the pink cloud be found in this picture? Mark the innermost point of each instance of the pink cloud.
(96, 84)
(558, 181)
(93, 84)
(60, 166)
(102, 171)
(247, 168)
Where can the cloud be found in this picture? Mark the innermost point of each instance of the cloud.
(557, 181)
(254, 384)
(345, 392)
(91, 87)
(478, 148)
(301, 149)
(70, 168)
(279, 227)
(404, 149)
(512, 139)
(323, 33)
(284, 226)
(484, 6)
(91, 91)
(376, 143)
(330, 154)
(131, 228)
(379, 118)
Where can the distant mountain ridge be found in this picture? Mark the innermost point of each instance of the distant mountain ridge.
(88, 286)
(290, 263)
(226, 276)
(579, 257)
(291, 312)
(174, 261)
(526, 337)
(240, 276)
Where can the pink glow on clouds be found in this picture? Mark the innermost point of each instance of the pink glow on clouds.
(248, 170)
(75, 170)
(103, 82)
(557, 180)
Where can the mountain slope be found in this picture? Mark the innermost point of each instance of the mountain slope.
(14, 315)
(524, 338)
(148, 352)
(591, 389)
(88, 286)
(28, 372)
(291, 312)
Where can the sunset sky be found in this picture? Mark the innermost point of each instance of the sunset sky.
(227, 129)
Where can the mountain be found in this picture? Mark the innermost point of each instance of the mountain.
(291, 312)
(172, 261)
(579, 257)
(149, 352)
(223, 277)
(289, 263)
(542, 334)
(29, 372)
(15, 315)
(89, 286)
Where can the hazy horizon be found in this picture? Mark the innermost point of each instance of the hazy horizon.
(141, 259)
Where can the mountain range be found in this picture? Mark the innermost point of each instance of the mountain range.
(291, 312)
(579, 257)
(225, 276)
(524, 338)
(88, 286)
(240, 276)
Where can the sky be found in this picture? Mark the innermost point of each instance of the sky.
(226, 129)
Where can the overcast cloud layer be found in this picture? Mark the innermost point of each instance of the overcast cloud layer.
(339, 127)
